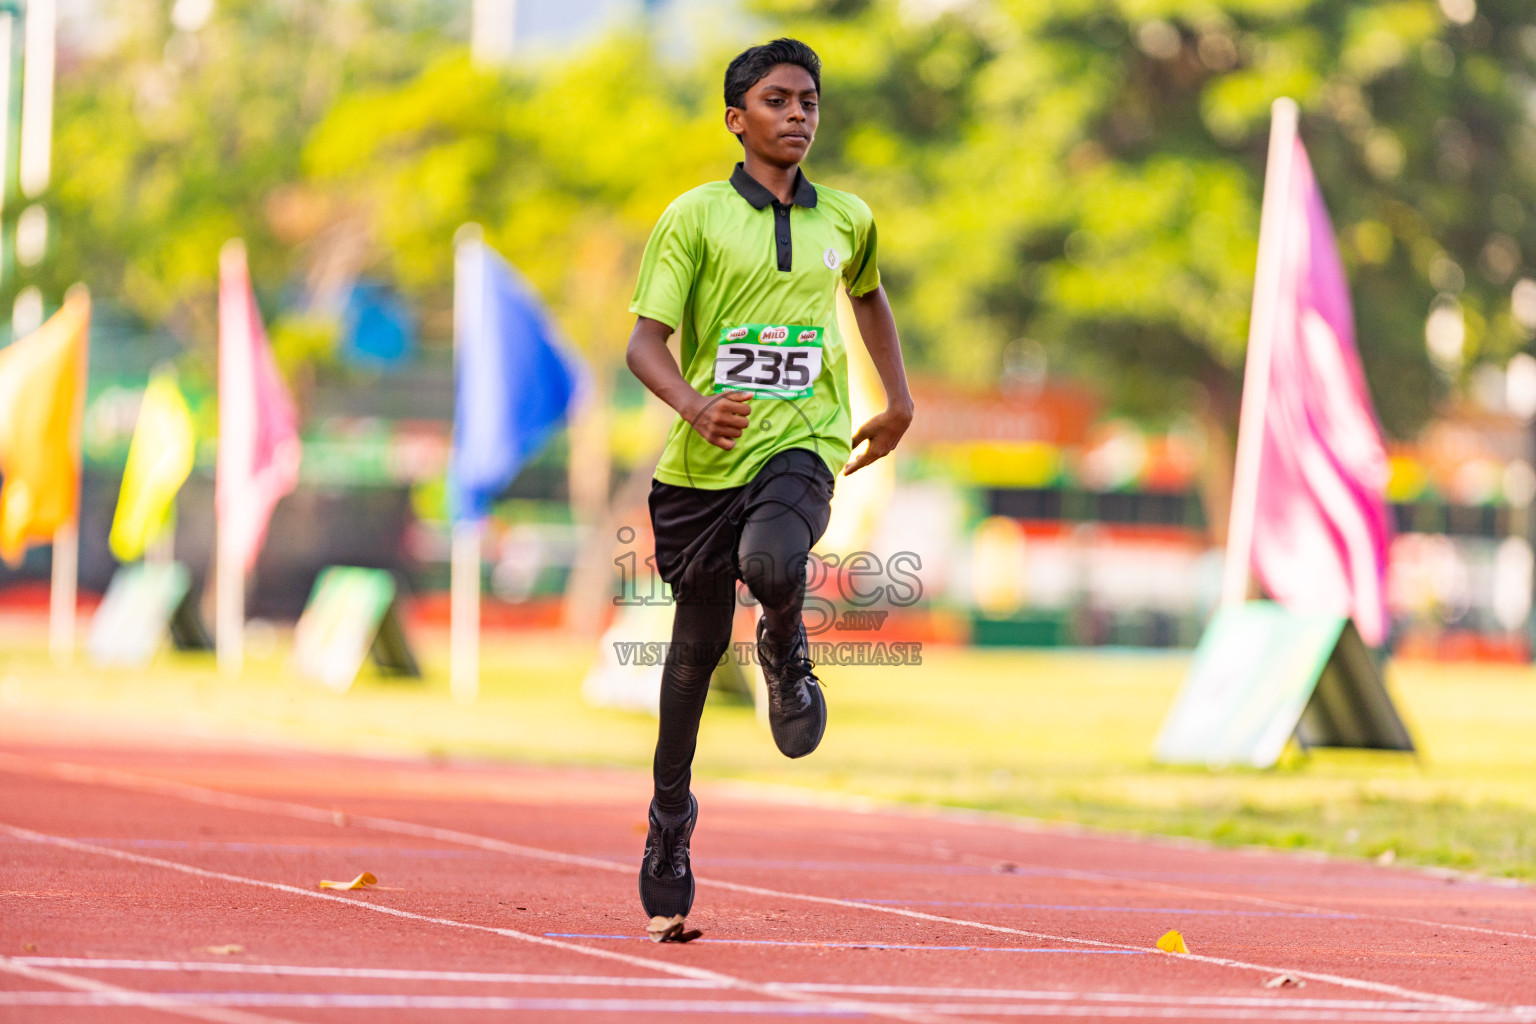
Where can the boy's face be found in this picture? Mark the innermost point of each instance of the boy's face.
(777, 119)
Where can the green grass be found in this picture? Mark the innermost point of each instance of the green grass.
(1062, 736)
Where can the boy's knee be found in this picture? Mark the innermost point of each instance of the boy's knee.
(773, 581)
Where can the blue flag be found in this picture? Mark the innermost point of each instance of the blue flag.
(515, 379)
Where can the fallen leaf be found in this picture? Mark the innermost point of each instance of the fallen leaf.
(1284, 981)
(1172, 942)
(1386, 856)
(338, 819)
(29, 947)
(362, 881)
(228, 950)
(670, 929)
(1007, 867)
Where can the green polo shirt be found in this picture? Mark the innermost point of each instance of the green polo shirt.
(728, 256)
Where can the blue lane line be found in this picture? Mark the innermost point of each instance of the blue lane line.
(864, 945)
(1117, 910)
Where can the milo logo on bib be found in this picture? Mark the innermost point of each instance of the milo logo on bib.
(769, 360)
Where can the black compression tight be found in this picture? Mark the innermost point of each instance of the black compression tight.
(775, 543)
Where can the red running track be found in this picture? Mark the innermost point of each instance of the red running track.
(175, 881)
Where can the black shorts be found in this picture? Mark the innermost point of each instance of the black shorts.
(698, 531)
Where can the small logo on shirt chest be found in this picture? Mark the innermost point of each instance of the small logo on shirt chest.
(831, 259)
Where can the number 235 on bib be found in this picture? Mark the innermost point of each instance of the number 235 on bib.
(769, 361)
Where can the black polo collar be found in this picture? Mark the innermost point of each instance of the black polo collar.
(753, 191)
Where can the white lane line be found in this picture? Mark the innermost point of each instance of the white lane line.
(185, 1001)
(746, 792)
(1213, 894)
(367, 1001)
(85, 963)
(1282, 1002)
(105, 994)
(219, 798)
(1171, 888)
(93, 775)
(1331, 979)
(618, 981)
(663, 966)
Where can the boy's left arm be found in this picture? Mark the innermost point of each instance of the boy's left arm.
(873, 312)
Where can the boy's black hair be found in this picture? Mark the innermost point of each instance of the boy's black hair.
(752, 64)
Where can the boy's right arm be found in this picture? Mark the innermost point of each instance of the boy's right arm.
(719, 419)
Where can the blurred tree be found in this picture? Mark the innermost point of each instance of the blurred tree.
(1084, 174)
(1087, 173)
(566, 167)
(189, 131)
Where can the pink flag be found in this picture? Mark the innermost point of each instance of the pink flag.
(258, 424)
(1321, 530)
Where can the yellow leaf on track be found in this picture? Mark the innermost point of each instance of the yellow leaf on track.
(1172, 942)
(362, 881)
(670, 929)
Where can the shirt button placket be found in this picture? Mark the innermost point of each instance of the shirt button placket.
(781, 228)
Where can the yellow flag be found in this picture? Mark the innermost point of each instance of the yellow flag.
(159, 461)
(41, 389)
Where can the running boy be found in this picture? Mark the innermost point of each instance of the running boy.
(747, 271)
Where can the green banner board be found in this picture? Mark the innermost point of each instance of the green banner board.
(1263, 674)
(351, 613)
(145, 603)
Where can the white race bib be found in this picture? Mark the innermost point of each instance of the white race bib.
(769, 361)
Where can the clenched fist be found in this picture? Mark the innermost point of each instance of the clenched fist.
(721, 419)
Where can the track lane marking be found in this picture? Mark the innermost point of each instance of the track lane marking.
(819, 944)
(506, 978)
(115, 995)
(369, 1001)
(665, 967)
(1381, 988)
(981, 819)
(1089, 908)
(237, 801)
(212, 1001)
(85, 963)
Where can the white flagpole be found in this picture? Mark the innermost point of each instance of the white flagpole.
(464, 554)
(35, 142)
(492, 30)
(228, 566)
(37, 96)
(62, 592)
(64, 585)
(1261, 345)
(464, 613)
(229, 604)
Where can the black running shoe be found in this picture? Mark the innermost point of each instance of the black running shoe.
(797, 712)
(666, 878)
